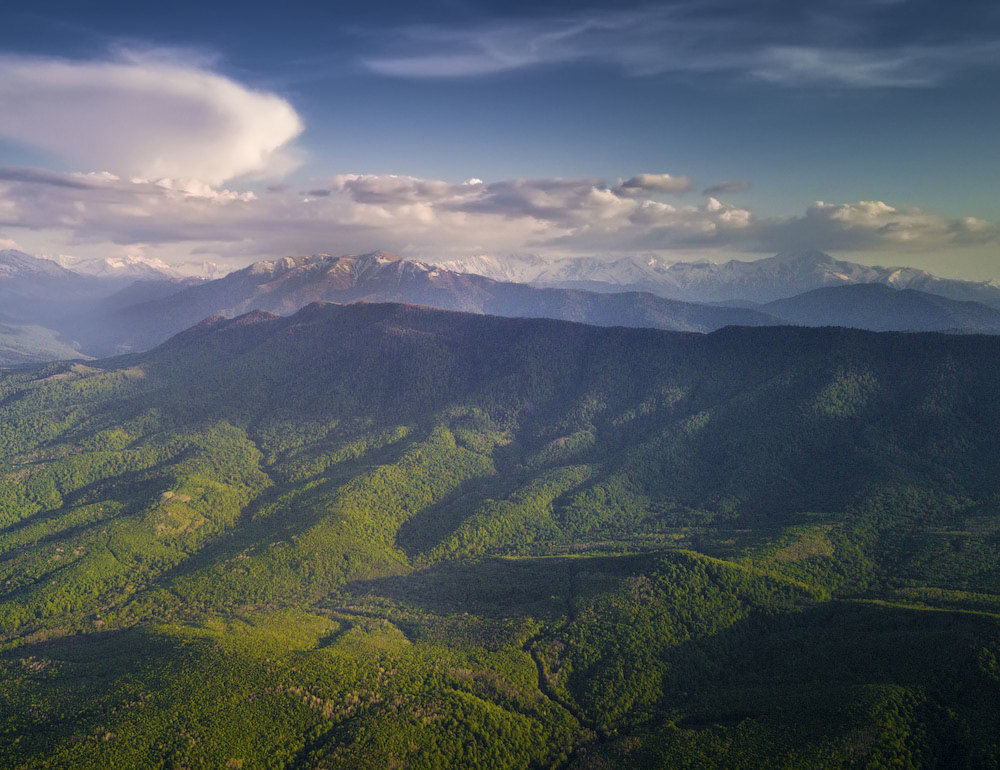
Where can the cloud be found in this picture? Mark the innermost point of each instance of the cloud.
(147, 116)
(729, 187)
(644, 184)
(874, 224)
(192, 222)
(40, 177)
(854, 45)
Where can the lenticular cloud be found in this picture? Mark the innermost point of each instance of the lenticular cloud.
(145, 117)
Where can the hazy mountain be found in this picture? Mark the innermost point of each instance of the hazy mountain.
(146, 290)
(882, 308)
(284, 285)
(763, 280)
(373, 536)
(22, 343)
(40, 290)
(127, 268)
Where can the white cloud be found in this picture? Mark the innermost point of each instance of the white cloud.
(855, 45)
(146, 116)
(875, 224)
(101, 215)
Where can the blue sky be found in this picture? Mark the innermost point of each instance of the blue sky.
(867, 129)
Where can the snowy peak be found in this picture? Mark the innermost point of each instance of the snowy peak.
(352, 269)
(762, 280)
(512, 269)
(130, 267)
(14, 263)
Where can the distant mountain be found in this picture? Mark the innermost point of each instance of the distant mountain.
(48, 309)
(882, 308)
(285, 285)
(760, 281)
(22, 343)
(147, 290)
(38, 290)
(577, 272)
(129, 268)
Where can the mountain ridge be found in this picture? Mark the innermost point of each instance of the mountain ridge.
(286, 284)
(881, 307)
(371, 534)
(764, 280)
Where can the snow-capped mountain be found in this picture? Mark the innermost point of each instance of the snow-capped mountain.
(530, 268)
(133, 268)
(285, 285)
(32, 289)
(762, 280)
(16, 264)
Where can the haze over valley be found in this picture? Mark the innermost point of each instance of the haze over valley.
(499, 385)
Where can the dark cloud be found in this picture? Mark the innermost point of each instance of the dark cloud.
(730, 187)
(37, 176)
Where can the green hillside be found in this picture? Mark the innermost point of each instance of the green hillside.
(28, 343)
(377, 536)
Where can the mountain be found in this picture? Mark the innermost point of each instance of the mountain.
(882, 308)
(26, 280)
(128, 268)
(39, 290)
(48, 309)
(763, 280)
(578, 272)
(142, 291)
(375, 535)
(25, 343)
(284, 285)
(99, 315)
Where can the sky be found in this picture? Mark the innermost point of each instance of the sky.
(223, 133)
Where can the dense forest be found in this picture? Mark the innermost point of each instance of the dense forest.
(382, 536)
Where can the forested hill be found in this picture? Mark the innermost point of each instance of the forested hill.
(785, 415)
(386, 535)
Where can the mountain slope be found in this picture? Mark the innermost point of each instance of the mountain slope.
(29, 343)
(283, 286)
(40, 289)
(882, 308)
(376, 535)
(48, 310)
(760, 281)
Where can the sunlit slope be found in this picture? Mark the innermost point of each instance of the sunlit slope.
(376, 534)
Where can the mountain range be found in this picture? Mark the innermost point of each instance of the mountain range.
(129, 268)
(45, 307)
(284, 285)
(52, 312)
(760, 281)
(879, 307)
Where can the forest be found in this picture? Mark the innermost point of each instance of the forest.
(385, 536)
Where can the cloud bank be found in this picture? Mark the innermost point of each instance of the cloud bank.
(147, 116)
(104, 215)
